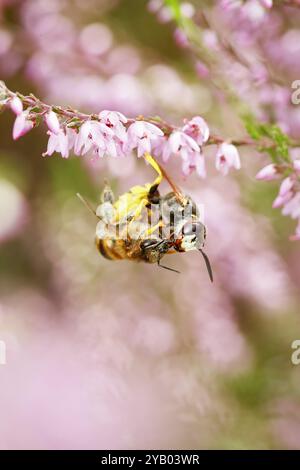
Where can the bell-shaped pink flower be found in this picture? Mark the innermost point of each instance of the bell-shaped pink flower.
(52, 122)
(58, 143)
(292, 207)
(286, 186)
(198, 129)
(268, 173)
(188, 149)
(196, 162)
(115, 120)
(16, 105)
(142, 135)
(83, 142)
(227, 157)
(281, 200)
(97, 136)
(285, 193)
(21, 125)
(112, 118)
(161, 148)
(183, 144)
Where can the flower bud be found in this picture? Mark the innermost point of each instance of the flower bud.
(181, 38)
(16, 105)
(21, 126)
(201, 69)
(267, 173)
(52, 122)
(281, 200)
(286, 186)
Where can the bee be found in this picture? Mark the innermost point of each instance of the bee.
(125, 229)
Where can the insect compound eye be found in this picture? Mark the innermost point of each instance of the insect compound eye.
(148, 243)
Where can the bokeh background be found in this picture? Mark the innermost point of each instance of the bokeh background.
(114, 355)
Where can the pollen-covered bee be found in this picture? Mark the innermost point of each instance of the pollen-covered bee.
(142, 225)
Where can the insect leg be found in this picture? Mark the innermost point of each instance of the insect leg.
(138, 211)
(153, 229)
(156, 167)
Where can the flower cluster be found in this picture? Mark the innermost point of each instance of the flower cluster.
(288, 197)
(242, 70)
(110, 133)
(251, 8)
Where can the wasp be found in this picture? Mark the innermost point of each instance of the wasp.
(125, 229)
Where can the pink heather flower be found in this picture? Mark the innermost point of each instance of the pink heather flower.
(267, 173)
(164, 14)
(72, 135)
(266, 3)
(296, 164)
(296, 236)
(185, 146)
(201, 69)
(22, 125)
(97, 136)
(58, 143)
(227, 157)
(195, 162)
(154, 5)
(181, 38)
(286, 186)
(187, 9)
(142, 135)
(292, 207)
(230, 4)
(198, 129)
(281, 200)
(210, 39)
(83, 142)
(16, 105)
(161, 148)
(115, 121)
(285, 193)
(52, 122)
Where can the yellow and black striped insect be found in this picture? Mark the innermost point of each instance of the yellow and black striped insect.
(143, 225)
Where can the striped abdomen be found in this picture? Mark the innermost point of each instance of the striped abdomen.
(112, 249)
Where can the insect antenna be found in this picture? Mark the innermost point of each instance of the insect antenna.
(208, 265)
(87, 204)
(166, 267)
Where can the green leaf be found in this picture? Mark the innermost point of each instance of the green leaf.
(278, 147)
(253, 128)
